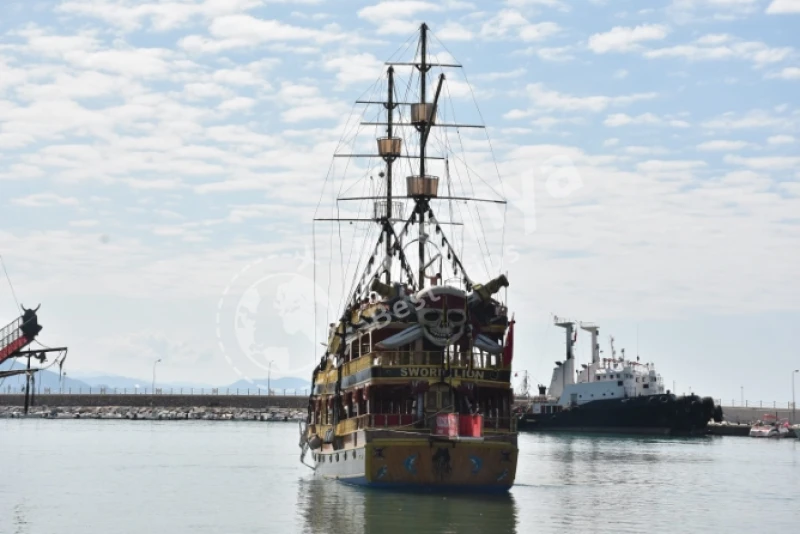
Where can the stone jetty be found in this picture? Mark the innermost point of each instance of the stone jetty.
(273, 414)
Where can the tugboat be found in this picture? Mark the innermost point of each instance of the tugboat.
(613, 395)
(414, 387)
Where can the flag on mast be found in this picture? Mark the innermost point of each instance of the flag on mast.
(508, 349)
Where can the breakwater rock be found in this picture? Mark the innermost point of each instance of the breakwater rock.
(170, 401)
(275, 414)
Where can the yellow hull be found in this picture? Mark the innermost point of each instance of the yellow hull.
(440, 463)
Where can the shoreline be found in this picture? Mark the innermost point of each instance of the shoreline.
(136, 413)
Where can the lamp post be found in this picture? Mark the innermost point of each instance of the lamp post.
(794, 420)
(269, 378)
(153, 391)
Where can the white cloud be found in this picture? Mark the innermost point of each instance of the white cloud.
(548, 99)
(783, 6)
(781, 140)
(623, 119)
(509, 23)
(558, 4)
(776, 163)
(206, 90)
(620, 74)
(355, 68)
(719, 47)
(506, 75)
(43, 200)
(453, 31)
(165, 15)
(404, 16)
(713, 10)
(611, 142)
(238, 103)
(626, 39)
(84, 223)
(639, 150)
(750, 119)
(304, 102)
(396, 9)
(561, 53)
(788, 73)
(657, 166)
(243, 31)
(722, 145)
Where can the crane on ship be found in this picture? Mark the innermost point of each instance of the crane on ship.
(15, 340)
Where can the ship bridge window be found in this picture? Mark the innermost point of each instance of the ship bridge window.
(619, 382)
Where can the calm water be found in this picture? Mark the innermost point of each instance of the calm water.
(71, 477)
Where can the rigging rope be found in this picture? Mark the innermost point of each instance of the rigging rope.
(13, 293)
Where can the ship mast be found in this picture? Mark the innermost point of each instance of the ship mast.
(420, 188)
(420, 203)
(423, 187)
(389, 158)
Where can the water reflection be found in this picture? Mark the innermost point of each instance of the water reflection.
(328, 506)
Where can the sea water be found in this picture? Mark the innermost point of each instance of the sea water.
(94, 476)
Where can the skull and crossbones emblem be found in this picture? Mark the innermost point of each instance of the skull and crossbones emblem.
(441, 325)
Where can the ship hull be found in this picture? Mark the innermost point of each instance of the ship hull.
(436, 464)
(655, 415)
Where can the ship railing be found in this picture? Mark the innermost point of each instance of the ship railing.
(374, 420)
(410, 358)
(499, 424)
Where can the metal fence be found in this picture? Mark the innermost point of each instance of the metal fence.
(776, 405)
(787, 405)
(9, 390)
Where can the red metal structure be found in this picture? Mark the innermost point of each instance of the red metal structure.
(19, 333)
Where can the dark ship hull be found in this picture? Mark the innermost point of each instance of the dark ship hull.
(655, 414)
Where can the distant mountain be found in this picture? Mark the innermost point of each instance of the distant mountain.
(290, 384)
(124, 382)
(44, 379)
(50, 379)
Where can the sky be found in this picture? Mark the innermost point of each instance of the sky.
(161, 163)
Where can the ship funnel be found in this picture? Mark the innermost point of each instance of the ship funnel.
(594, 330)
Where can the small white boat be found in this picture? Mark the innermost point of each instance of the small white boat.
(770, 427)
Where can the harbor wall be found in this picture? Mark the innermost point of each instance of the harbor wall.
(737, 414)
(159, 401)
(742, 414)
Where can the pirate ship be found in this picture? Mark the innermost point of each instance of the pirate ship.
(413, 388)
